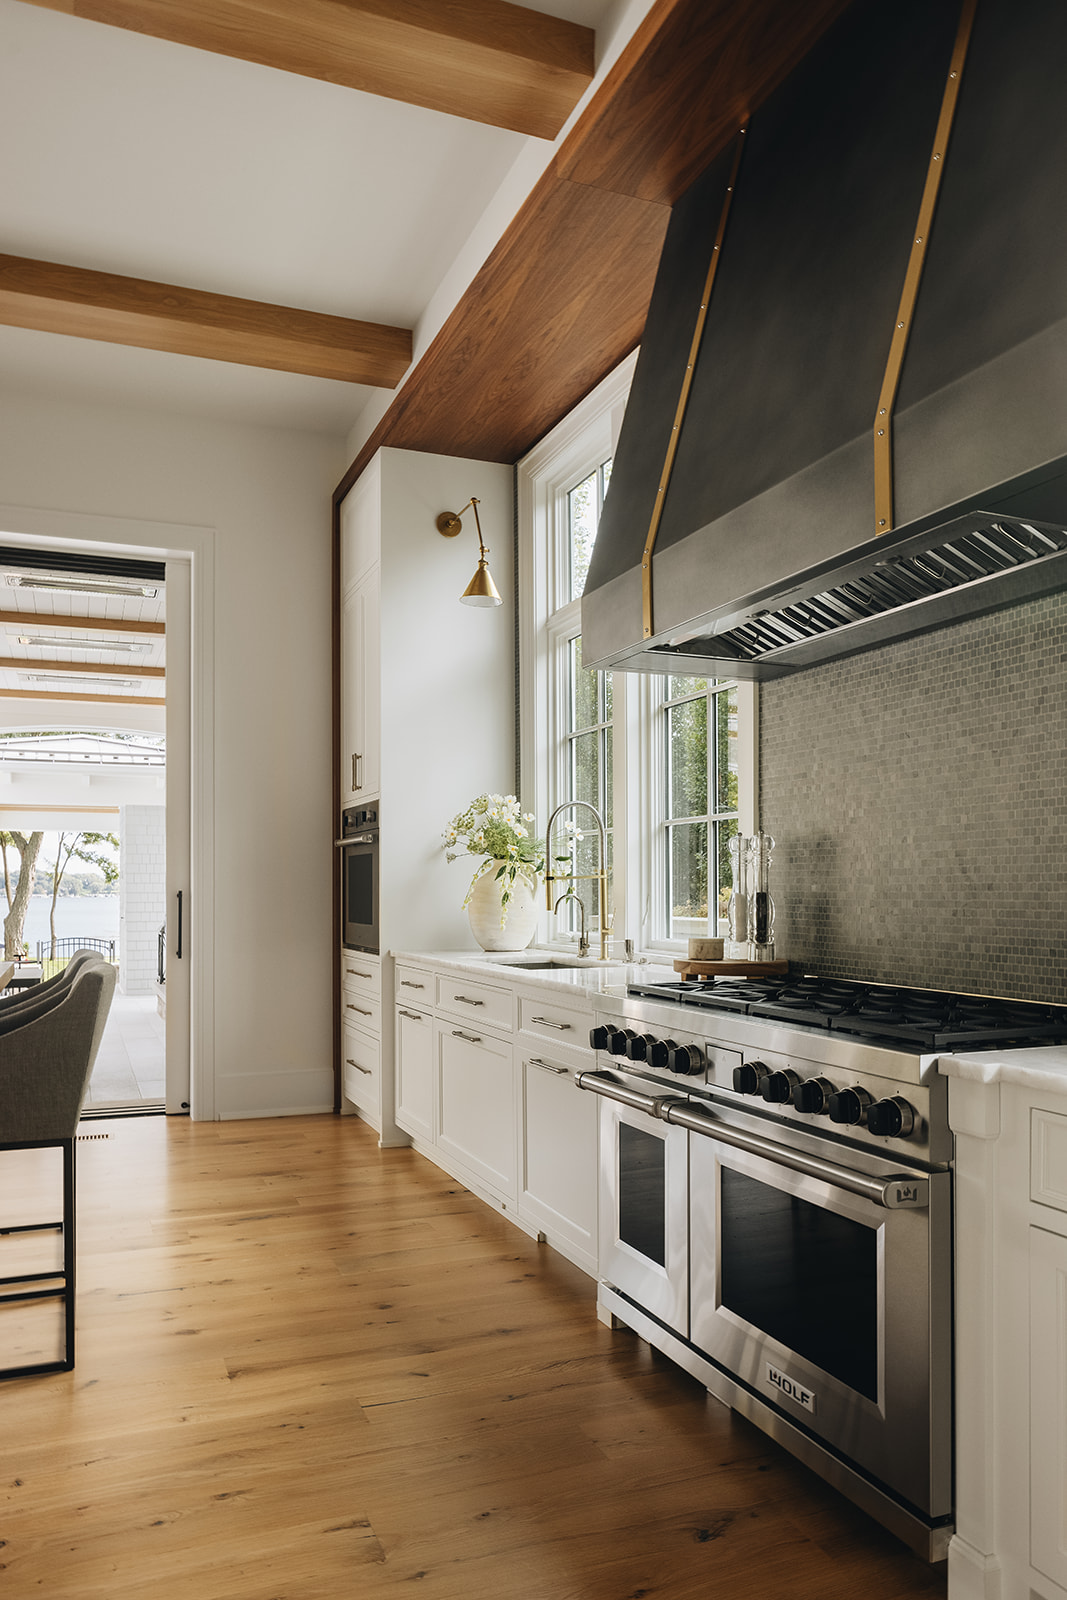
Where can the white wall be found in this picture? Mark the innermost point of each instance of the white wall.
(266, 492)
(142, 895)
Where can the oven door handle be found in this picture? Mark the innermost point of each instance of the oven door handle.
(600, 1083)
(895, 1194)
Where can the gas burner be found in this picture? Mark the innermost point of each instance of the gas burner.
(920, 1020)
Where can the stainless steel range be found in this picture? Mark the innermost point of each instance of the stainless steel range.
(775, 1212)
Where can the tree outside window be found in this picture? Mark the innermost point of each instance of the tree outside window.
(699, 729)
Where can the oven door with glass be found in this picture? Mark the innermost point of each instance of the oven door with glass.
(359, 881)
(830, 1306)
(643, 1224)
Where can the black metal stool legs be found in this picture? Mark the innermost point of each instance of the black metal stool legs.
(52, 1285)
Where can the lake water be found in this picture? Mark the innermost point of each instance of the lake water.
(77, 915)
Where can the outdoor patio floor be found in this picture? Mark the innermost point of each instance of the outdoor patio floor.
(130, 1065)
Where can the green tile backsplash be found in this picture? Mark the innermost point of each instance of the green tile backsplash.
(918, 798)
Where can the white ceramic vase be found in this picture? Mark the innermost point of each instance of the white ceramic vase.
(520, 915)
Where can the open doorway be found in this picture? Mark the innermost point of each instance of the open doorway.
(83, 724)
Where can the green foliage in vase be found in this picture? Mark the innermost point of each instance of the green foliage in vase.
(493, 827)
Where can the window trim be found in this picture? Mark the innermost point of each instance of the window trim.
(582, 441)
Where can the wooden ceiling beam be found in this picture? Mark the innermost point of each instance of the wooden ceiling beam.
(485, 60)
(34, 619)
(69, 668)
(96, 699)
(31, 620)
(191, 322)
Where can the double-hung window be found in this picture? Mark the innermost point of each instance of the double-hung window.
(668, 762)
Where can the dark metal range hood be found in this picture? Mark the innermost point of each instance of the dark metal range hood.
(870, 291)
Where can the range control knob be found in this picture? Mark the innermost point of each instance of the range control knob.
(850, 1106)
(891, 1119)
(748, 1078)
(777, 1087)
(687, 1059)
(813, 1095)
(600, 1036)
(638, 1047)
(659, 1052)
(620, 1038)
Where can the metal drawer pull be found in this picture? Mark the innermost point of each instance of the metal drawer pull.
(546, 1066)
(468, 1002)
(358, 1068)
(546, 1022)
(471, 1038)
(898, 1193)
(600, 1083)
(406, 983)
(414, 1015)
(350, 1007)
(352, 973)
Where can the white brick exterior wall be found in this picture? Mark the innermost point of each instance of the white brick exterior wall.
(142, 894)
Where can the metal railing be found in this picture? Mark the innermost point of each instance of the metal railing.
(65, 948)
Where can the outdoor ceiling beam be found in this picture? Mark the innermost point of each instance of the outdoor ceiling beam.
(99, 699)
(68, 668)
(486, 60)
(192, 322)
(36, 619)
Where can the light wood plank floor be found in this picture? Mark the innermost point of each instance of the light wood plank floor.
(310, 1369)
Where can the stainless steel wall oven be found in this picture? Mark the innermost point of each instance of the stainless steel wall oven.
(358, 846)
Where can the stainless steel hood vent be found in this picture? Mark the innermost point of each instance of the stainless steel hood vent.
(978, 562)
(848, 421)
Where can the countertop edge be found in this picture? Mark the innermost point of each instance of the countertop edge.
(1042, 1067)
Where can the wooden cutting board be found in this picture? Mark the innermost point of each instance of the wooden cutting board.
(731, 969)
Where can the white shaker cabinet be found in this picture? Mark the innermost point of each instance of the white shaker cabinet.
(361, 691)
(558, 1191)
(476, 1104)
(415, 1072)
(1008, 1112)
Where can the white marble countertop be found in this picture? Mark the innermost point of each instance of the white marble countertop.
(568, 973)
(1041, 1067)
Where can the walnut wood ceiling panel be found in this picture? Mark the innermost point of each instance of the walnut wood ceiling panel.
(486, 60)
(160, 316)
(694, 73)
(563, 297)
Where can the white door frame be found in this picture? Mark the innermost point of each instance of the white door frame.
(190, 766)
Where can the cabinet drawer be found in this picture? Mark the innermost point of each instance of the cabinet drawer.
(547, 1020)
(362, 1070)
(362, 974)
(414, 986)
(475, 1002)
(362, 1011)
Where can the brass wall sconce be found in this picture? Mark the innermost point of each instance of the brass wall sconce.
(481, 591)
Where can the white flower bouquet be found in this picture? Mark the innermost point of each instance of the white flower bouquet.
(493, 826)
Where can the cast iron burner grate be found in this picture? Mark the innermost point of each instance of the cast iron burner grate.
(916, 1019)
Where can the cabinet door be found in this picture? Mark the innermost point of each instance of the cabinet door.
(361, 692)
(476, 1105)
(1048, 1404)
(414, 1072)
(559, 1157)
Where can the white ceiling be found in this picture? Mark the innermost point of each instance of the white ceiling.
(133, 155)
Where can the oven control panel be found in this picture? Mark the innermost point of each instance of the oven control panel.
(848, 1102)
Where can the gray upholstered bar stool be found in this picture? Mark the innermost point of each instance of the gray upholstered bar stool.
(47, 1049)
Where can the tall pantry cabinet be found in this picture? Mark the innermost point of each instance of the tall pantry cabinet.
(427, 721)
